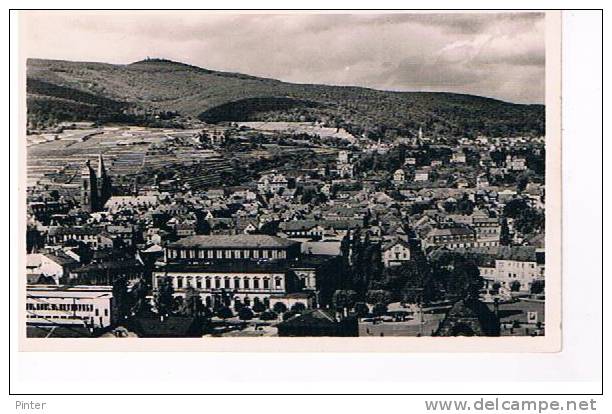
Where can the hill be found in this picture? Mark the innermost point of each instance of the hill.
(162, 90)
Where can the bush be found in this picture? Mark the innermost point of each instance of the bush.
(298, 307)
(245, 313)
(259, 307)
(268, 316)
(361, 309)
(224, 312)
(537, 287)
(288, 315)
(380, 309)
(279, 307)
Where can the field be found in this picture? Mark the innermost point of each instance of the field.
(301, 128)
(56, 160)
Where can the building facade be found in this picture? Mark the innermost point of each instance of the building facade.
(88, 306)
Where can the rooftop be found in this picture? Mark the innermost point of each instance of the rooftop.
(234, 241)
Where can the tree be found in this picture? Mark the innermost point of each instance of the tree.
(245, 313)
(504, 236)
(140, 302)
(361, 309)
(259, 307)
(121, 299)
(344, 299)
(298, 307)
(514, 208)
(288, 315)
(192, 305)
(537, 287)
(380, 309)
(224, 312)
(459, 275)
(268, 315)
(379, 296)
(521, 182)
(164, 297)
(279, 307)
(515, 286)
(466, 281)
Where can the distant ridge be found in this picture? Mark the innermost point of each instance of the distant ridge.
(60, 90)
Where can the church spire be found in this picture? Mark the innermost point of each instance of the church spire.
(101, 168)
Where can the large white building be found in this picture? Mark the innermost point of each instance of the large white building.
(243, 268)
(85, 306)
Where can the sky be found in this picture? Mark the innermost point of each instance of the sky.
(498, 55)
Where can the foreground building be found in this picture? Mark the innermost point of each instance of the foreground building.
(244, 269)
(82, 306)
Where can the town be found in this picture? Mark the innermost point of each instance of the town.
(282, 229)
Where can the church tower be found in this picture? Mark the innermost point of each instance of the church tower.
(104, 184)
(89, 188)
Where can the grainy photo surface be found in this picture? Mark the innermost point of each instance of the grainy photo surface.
(208, 175)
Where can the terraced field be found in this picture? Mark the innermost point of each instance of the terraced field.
(56, 160)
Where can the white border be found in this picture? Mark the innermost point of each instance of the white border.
(577, 369)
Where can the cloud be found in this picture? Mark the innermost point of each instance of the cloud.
(499, 55)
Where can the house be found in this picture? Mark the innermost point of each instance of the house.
(153, 326)
(47, 267)
(105, 272)
(61, 235)
(458, 157)
(118, 203)
(469, 318)
(515, 163)
(421, 175)
(318, 322)
(514, 268)
(482, 181)
(272, 183)
(395, 253)
(450, 237)
(399, 176)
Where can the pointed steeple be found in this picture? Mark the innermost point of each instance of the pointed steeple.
(101, 168)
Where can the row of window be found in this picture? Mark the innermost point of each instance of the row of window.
(226, 282)
(517, 264)
(226, 254)
(438, 239)
(80, 307)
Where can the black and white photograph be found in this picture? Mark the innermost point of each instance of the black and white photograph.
(263, 175)
(311, 209)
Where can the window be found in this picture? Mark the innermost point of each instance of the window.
(226, 282)
(106, 312)
(256, 283)
(208, 284)
(199, 282)
(266, 283)
(179, 282)
(236, 283)
(277, 282)
(217, 282)
(246, 283)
